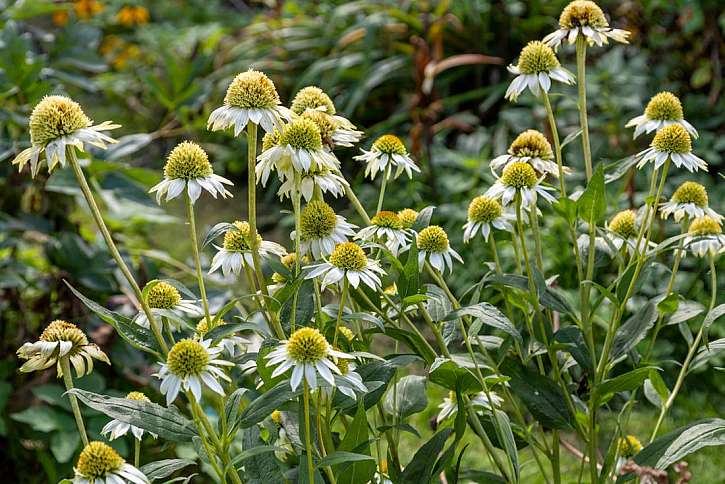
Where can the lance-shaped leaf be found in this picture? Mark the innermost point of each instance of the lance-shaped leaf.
(633, 330)
(488, 315)
(164, 468)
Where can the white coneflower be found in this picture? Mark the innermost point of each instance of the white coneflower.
(187, 167)
(348, 382)
(58, 340)
(333, 132)
(386, 228)
(58, 124)
(99, 463)
(689, 200)
(116, 428)
(321, 229)
(484, 213)
(536, 68)
(705, 237)
(307, 353)
(533, 148)
(166, 297)
(233, 345)
(623, 228)
(189, 365)
(236, 252)
(433, 245)
(313, 99)
(671, 142)
(407, 217)
(280, 279)
(347, 262)
(251, 96)
(520, 177)
(387, 152)
(324, 179)
(449, 406)
(662, 110)
(585, 18)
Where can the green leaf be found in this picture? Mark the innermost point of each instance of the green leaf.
(223, 330)
(686, 310)
(341, 457)
(449, 374)
(488, 315)
(263, 406)
(232, 408)
(44, 419)
(356, 440)
(592, 205)
(255, 451)
(421, 466)
(626, 382)
(408, 397)
(573, 339)
(164, 468)
(506, 436)
(633, 330)
(438, 305)
(548, 297)
(409, 281)
(669, 304)
(168, 423)
(713, 315)
(706, 352)
(414, 341)
(376, 374)
(259, 467)
(64, 444)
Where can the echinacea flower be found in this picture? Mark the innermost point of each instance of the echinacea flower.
(347, 262)
(58, 124)
(530, 147)
(289, 261)
(484, 213)
(662, 110)
(116, 428)
(624, 229)
(536, 68)
(236, 252)
(61, 339)
(672, 142)
(187, 167)
(333, 132)
(324, 179)
(584, 18)
(387, 152)
(312, 98)
(189, 365)
(307, 353)
(629, 446)
(449, 406)
(407, 218)
(348, 381)
(433, 245)
(386, 228)
(520, 177)
(705, 237)
(165, 297)
(233, 345)
(251, 96)
(689, 200)
(99, 463)
(321, 229)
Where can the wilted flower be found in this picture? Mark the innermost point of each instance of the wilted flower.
(61, 339)
(347, 261)
(689, 200)
(449, 406)
(705, 237)
(407, 217)
(307, 353)
(99, 463)
(674, 143)
(530, 147)
(662, 110)
(116, 428)
(251, 96)
(520, 177)
(433, 245)
(585, 18)
(483, 213)
(58, 124)
(387, 151)
(167, 298)
(236, 252)
(321, 229)
(386, 227)
(536, 68)
(187, 166)
(324, 179)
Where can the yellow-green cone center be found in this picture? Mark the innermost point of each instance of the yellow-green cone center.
(348, 256)
(537, 57)
(312, 97)
(346, 332)
(324, 122)
(705, 226)
(390, 145)
(629, 446)
(252, 90)
(307, 345)
(672, 139)
(664, 106)
(433, 239)
(533, 144)
(270, 140)
(317, 220)
(484, 210)
(691, 192)
(187, 357)
(302, 134)
(98, 460)
(237, 239)
(407, 217)
(187, 161)
(59, 330)
(518, 175)
(56, 116)
(137, 396)
(387, 219)
(582, 13)
(163, 296)
(343, 365)
(624, 224)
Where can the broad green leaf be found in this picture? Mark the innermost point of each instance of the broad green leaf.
(423, 218)
(506, 436)
(408, 397)
(413, 341)
(342, 457)
(548, 297)
(44, 419)
(259, 467)
(592, 205)
(437, 305)
(487, 314)
(626, 382)
(686, 310)
(421, 466)
(706, 352)
(409, 281)
(633, 330)
(64, 444)
(573, 339)
(232, 408)
(356, 440)
(164, 468)
(449, 374)
(376, 375)
(266, 403)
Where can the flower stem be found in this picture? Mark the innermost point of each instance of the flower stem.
(68, 380)
(343, 296)
(297, 208)
(98, 218)
(384, 183)
(197, 258)
(308, 437)
(581, 59)
(356, 203)
(557, 142)
(136, 452)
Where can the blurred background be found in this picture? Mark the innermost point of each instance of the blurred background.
(434, 73)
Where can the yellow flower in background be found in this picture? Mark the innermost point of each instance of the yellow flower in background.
(128, 53)
(129, 16)
(85, 9)
(60, 17)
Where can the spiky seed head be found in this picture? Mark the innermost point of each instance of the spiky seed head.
(348, 256)
(324, 122)
(390, 145)
(237, 239)
(302, 133)
(307, 345)
(624, 224)
(387, 219)
(346, 332)
(629, 446)
(673, 138)
(270, 140)
(704, 226)
(97, 460)
(56, 116)
(691, 192)
(537, 57)
(519, 175)
(317, 220)
(484, 209)
(138, 396)
(533, 144)
(277, 417)
(187, 357)
(202, 327)
(163, 296)
(433, 239)
(407, 217)
(582, 13)
(251, 90)
(187, 161)
(312, 97)
(60, 330)
(664, 106)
